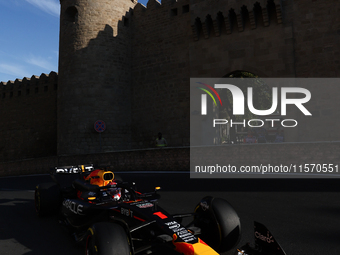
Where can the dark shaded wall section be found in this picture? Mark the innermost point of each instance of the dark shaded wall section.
(161, 73)
(178, 159)
(28, 114)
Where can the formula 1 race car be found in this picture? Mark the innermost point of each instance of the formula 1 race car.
(112, 218)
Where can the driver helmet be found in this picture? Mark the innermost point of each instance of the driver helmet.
(100, 177)
(116, 193)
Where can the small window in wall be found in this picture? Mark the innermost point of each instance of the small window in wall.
(27, 91)
(198, 26)
(45, 88)
(11, 94)
(36, 90)
(19, 93)
(71, 14)
(271, 11)
(174, 12)
(185, 8)
(3, 95)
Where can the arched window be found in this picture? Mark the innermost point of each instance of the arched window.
(240, 74)
(262, 100)
(71, 14)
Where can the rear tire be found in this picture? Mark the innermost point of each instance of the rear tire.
(47, 199)
(105, 238)
(219, 223)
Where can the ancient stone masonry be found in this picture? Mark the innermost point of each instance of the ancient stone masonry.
(234, 16)
(130, 66)
(28, 110)
(94, 76)
(160, 67)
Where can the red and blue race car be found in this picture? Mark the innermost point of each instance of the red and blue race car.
(112, 218)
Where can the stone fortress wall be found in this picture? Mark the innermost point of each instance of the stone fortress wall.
(130, 66)
(28, 113)
(214, 38)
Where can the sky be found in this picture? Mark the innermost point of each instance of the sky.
(29, 38)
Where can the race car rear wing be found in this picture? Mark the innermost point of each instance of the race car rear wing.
(73, 169)
(65, 175)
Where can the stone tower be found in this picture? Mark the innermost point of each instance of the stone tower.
(94, 76)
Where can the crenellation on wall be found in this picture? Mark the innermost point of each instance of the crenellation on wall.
(130, 65)
(170, 8)
(25, 86)
(139, 9)
(234, 15)
(28, 117)
(153, 4)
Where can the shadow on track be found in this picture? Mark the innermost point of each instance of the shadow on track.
(23, 233)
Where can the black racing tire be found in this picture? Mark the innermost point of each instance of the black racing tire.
(106, 238)
(47, 199)
(219, 223)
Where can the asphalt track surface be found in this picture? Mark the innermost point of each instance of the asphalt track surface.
(303, 215)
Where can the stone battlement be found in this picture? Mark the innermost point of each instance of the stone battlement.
(171, 5)
(210, 18)
(26, 86)
(28, 117)
(234, 17)
(129, 65)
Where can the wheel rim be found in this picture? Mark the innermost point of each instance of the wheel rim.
(90, 247)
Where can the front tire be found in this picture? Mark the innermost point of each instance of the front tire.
(105, 238)
(219, 223)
